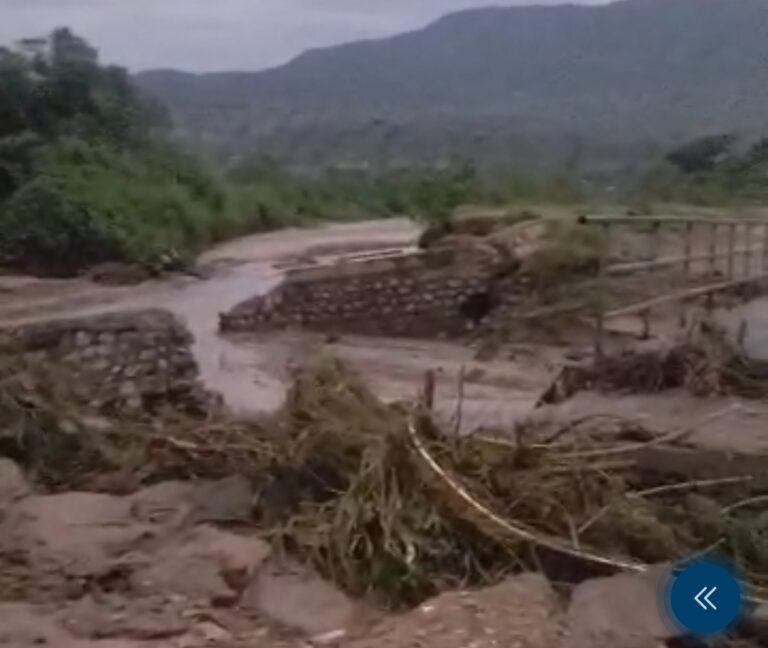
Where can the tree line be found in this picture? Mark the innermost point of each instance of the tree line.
(711, 170)
(89, 173)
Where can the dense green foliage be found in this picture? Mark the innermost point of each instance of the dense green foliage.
(268, 196)
(709, 172)
(85, 176)
(271, 195)
(702, 154)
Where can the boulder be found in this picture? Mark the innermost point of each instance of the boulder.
(13, 484)
(623, 610)
(300, 600)
(203, 564)
(522, 611)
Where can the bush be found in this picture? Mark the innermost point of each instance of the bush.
(260, 208)
(567, 249)
(44, 229)
(89, 203)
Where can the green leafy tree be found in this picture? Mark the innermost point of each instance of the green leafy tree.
(84, 174)
(702, 154)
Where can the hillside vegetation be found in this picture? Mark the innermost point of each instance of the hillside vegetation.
(709, 171)
(85, 175)
(599, 90)
(267, 195)
(89, 174)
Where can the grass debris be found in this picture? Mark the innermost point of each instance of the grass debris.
(384, 503)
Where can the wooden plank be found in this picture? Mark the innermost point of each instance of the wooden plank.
(765, 248)
(605, 243)
(712, 249)
(667, 220)
(731, 251)
(549, 311)
(689, 293)
(748, 255)
(620, 269)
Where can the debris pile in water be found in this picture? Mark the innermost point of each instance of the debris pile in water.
(707, 364)
(385, 504)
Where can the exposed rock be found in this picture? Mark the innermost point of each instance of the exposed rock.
(206, 564)
(413, 295)
(300, 600)
(468, 252)
(54, 545)
(115, 362)
(58, 546)
(118, 274)
(211, 634)
(112, 616)
(521, 612)
(623, 610)
(225, 501)
(756, 623)
(13, 484)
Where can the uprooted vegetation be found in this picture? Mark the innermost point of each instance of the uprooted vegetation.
(378, 499)
(706, 364)
(547, 251)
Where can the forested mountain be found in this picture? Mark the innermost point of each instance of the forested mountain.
(560, 87)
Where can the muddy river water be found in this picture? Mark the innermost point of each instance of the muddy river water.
(251, 371)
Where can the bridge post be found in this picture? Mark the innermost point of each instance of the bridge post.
(748, 251)
(653, 253)
(765, 248)
(712, 249)
(605, 242)
(731, 251)
(688, 249)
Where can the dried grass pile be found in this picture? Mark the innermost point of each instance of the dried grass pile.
(380, 500)
(383, 503)
(347, 495)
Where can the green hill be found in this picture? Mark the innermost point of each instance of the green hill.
(598, 88)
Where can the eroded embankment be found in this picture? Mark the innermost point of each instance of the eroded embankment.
(419, 295)
(443, 291)
(133, 361)
(376, 498)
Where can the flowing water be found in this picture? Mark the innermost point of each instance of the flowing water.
(251, 371)
(234, 272)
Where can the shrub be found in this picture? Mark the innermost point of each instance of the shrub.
(567, 249)
(89, 203)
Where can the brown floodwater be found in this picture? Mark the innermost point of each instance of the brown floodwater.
(234, 272)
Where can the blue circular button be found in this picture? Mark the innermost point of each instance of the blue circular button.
(704, 598)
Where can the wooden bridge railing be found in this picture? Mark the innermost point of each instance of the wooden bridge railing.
(723, 264)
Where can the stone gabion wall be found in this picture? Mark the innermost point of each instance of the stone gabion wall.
(117, 362)
(418, 295)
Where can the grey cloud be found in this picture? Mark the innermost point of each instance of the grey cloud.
(226, 34)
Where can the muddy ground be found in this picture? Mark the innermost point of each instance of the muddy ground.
(251, 372)
(176, 564)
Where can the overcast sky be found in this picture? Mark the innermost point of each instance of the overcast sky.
(222, 34)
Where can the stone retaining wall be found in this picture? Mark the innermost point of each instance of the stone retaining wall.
(432, 295)
(117, 362)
